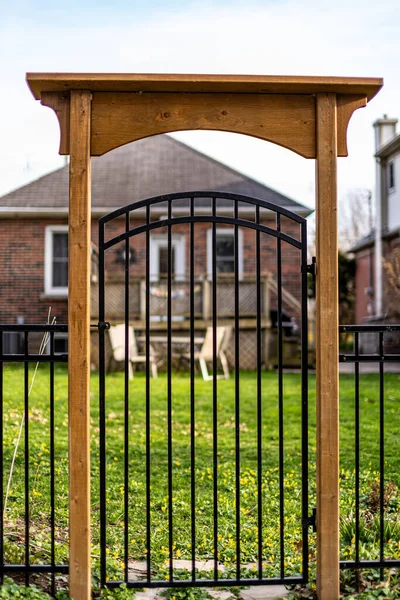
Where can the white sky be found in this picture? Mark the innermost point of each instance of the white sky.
(283, 37)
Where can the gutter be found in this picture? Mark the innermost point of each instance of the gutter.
(26, 212)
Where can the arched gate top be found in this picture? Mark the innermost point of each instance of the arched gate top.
(170, 220)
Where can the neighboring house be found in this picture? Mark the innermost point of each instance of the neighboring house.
(377, 247)
(34, 234)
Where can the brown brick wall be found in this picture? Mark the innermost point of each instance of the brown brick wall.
(22, 272)
(22, 263)
(362, 284)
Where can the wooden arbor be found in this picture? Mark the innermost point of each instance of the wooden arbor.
(309, 115)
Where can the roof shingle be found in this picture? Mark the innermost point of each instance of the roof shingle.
(146, 168)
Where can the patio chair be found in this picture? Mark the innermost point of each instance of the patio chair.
(206, 353)
(117, 339)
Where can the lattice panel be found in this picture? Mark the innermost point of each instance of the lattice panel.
(247, 348)
(180, 299)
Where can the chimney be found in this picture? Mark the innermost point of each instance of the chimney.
(385, 131)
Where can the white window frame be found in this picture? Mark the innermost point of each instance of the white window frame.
(161, 241)
(225, 231)
(49, 288)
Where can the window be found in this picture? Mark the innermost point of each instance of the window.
(225, 252)
(56, 261)
(60, 343)
(391, 178)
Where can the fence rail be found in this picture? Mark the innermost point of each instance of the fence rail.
(379, 336)
(36, 344)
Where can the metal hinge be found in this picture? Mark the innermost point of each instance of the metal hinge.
(310, 521)
(312, 268)
(101, 325)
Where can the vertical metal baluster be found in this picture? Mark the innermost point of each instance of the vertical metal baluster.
(52, 463)
(192, 396)
(148, 470)
(169, 392)
(102, 419)
(26, 452)
(280, 392)
(215, 406)
(128, 367)
(357, 454)
(381, 454)
(1, 465)
(259, 398)
(237, 391)
(304, 394)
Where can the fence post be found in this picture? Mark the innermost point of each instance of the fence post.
(79, 345)
(327, 351)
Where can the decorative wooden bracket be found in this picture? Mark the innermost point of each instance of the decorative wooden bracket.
(284, 119)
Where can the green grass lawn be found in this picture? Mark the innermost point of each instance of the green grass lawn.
(39, 469)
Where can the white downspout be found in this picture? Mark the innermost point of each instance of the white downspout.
(378, 238)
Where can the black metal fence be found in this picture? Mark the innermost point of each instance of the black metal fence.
(374, 351)
(29, 496)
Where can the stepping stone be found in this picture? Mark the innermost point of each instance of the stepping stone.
(137, 569)
(149, 594)
(261, 592)
(220, 594)
(201, 565)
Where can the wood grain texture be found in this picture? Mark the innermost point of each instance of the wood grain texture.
(327, 350)
(346, 105)
(79, 345)
(192, 83)
(119, 118)
(59, 102)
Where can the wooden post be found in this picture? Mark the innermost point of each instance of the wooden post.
(327, 351)
(79, 345)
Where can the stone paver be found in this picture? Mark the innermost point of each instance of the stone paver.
(261, 592)
(201, 565)
(149, 594)
(220, 594)
(138, 570)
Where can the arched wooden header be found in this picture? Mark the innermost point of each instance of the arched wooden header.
(309, 115)
(127, 107)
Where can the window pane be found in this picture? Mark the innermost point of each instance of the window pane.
(60, 245)
(225, 266)
(225, 245)
(60, 273)
(60, 345)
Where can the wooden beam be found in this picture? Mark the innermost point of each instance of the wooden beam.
(327, 349)
(119, 118)
(195, 83)
(79, 345)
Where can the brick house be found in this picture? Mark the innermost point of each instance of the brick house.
(34, 238)
(373, 302)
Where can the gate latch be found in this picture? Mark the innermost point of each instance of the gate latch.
(101, 325)
(310, 521)
(312, 268)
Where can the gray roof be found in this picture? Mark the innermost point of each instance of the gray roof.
(365, 242)
(146, 168)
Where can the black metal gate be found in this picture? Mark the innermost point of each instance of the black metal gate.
(185, 537)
